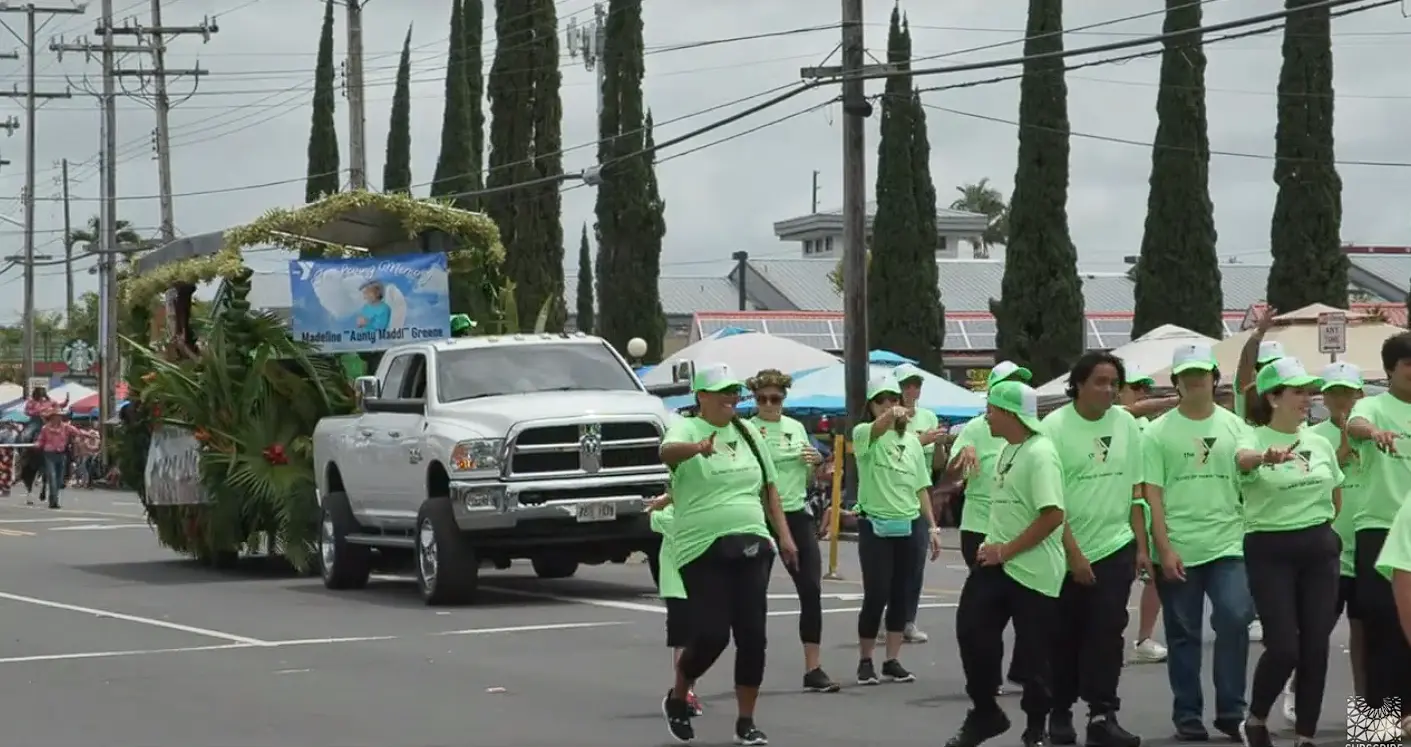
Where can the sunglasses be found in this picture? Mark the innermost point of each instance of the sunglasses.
(770, 399)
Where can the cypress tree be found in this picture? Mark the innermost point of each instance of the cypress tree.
(623, 197)
(892, 321)
(1178, 274)
(510, 88)
(324, 174)
(585, 284)
(1305, 238)
(1039, 316)
(397, 169)
(535, 260)
(647, 249)
(453, 166)
(927, 304)
(473, 22)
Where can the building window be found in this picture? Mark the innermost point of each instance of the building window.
(943, 244)
(828, 245)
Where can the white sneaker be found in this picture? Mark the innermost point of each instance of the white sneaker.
(914, 634)
(1256, 632)
(1148, 651)
(1290, 715)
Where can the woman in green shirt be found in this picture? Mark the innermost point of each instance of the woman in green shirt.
(1291, 483)
(788, 446)
(723, 491)
(893, 477)
(929, 432)
(1394, 563)
(669, 586)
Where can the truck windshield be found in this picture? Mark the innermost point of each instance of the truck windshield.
(523, 369)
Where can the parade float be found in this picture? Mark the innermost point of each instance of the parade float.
(215, 438)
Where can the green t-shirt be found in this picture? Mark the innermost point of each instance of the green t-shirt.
(1396, 552)
(891, 470)
(1102, 466)
(923, 420)
(785, 441)
(1353, 495)
(1193, 463)
(1027, 479)
(1296, 494)
(979, 486)
(669, 583)
(717, 495)
(1386, 478)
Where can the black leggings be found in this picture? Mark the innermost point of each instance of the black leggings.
(1388, 662)
(808, 577)
(888, 564)
(1293, 578)
(727, 595)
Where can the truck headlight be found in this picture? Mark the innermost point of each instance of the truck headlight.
(479, 455)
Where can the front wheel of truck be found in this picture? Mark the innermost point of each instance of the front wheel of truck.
(447, 570)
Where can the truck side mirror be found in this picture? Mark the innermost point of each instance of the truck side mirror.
(683, 370)
(367, 388)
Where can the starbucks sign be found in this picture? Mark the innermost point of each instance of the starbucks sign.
(80, 357)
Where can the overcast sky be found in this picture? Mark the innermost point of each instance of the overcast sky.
(239, 142)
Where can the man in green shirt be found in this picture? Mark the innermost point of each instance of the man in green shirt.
(1254, 356)
(1135, 397)
(1380, 429)
(926, 426)
(1197, 529)
(1018, 574)
(1100, 448)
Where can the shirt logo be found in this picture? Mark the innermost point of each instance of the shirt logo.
(1303, 461)
(1203, 448)
(1102, 446)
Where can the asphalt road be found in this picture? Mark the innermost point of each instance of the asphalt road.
(106, 640)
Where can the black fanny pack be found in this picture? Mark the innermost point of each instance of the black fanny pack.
(741, 547)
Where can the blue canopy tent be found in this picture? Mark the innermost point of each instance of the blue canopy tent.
(642, 370)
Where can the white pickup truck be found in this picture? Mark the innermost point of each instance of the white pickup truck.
(486, 450)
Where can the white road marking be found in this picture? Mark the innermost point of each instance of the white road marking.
(93, 527)
(55, 520)
(148, 621)
(837, 610)
(612, 604)
(293, 643)
(15, 533)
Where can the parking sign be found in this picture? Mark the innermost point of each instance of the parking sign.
(1332, 333)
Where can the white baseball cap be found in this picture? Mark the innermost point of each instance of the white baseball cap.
(1196, 356)
(1270, 350)
(1341, 374)
(1006, 370)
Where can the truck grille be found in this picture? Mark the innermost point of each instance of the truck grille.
(586, 449)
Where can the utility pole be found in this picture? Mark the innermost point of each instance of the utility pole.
(814, 210)
(856, 110)
(588, 41)
(68, 246)
(32, 99)
(357, 114)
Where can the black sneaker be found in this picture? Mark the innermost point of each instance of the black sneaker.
(818, 681)
(866, 673)
(893, 671)
(979, 727)
(678, 714)
(1104, 731)
(747, 733)
(1034, 738)
(1194, 731)
(1230, 727)
(1060, 728)
(1254, 735)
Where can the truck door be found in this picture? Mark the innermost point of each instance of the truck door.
(405, 469)
(374, 449)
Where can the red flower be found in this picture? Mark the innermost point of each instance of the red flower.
(274, 454)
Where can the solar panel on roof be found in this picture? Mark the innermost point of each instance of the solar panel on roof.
(790, 327)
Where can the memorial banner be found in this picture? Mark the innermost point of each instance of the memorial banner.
(357, 305)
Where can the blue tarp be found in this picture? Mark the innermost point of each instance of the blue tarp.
(642, 370)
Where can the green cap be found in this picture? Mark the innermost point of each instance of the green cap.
(1018, 398)
(717, 378)
(461, 323)
(1008, 370)
(1269, 350)
(1342, 374)
(1193, 357)
(907, 372)
(883, 384)
(1286, 371)
(1137, 377)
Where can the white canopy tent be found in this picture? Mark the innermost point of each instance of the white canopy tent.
(1148, 353)
(746, 353)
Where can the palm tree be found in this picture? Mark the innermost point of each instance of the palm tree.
(89, 235)
(980, 197)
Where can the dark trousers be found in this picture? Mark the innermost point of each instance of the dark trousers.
(726, 596)
(1091, 631)
(1388, 663)
(887, 566)
(921, 535)
(808, 577)
(1225, 582)
(989, 601)
(969, 549)
(1293, 577)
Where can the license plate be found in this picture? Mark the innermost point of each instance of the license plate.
(589, 512)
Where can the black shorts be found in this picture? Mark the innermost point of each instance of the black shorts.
(1347, 598)
(677, 612)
